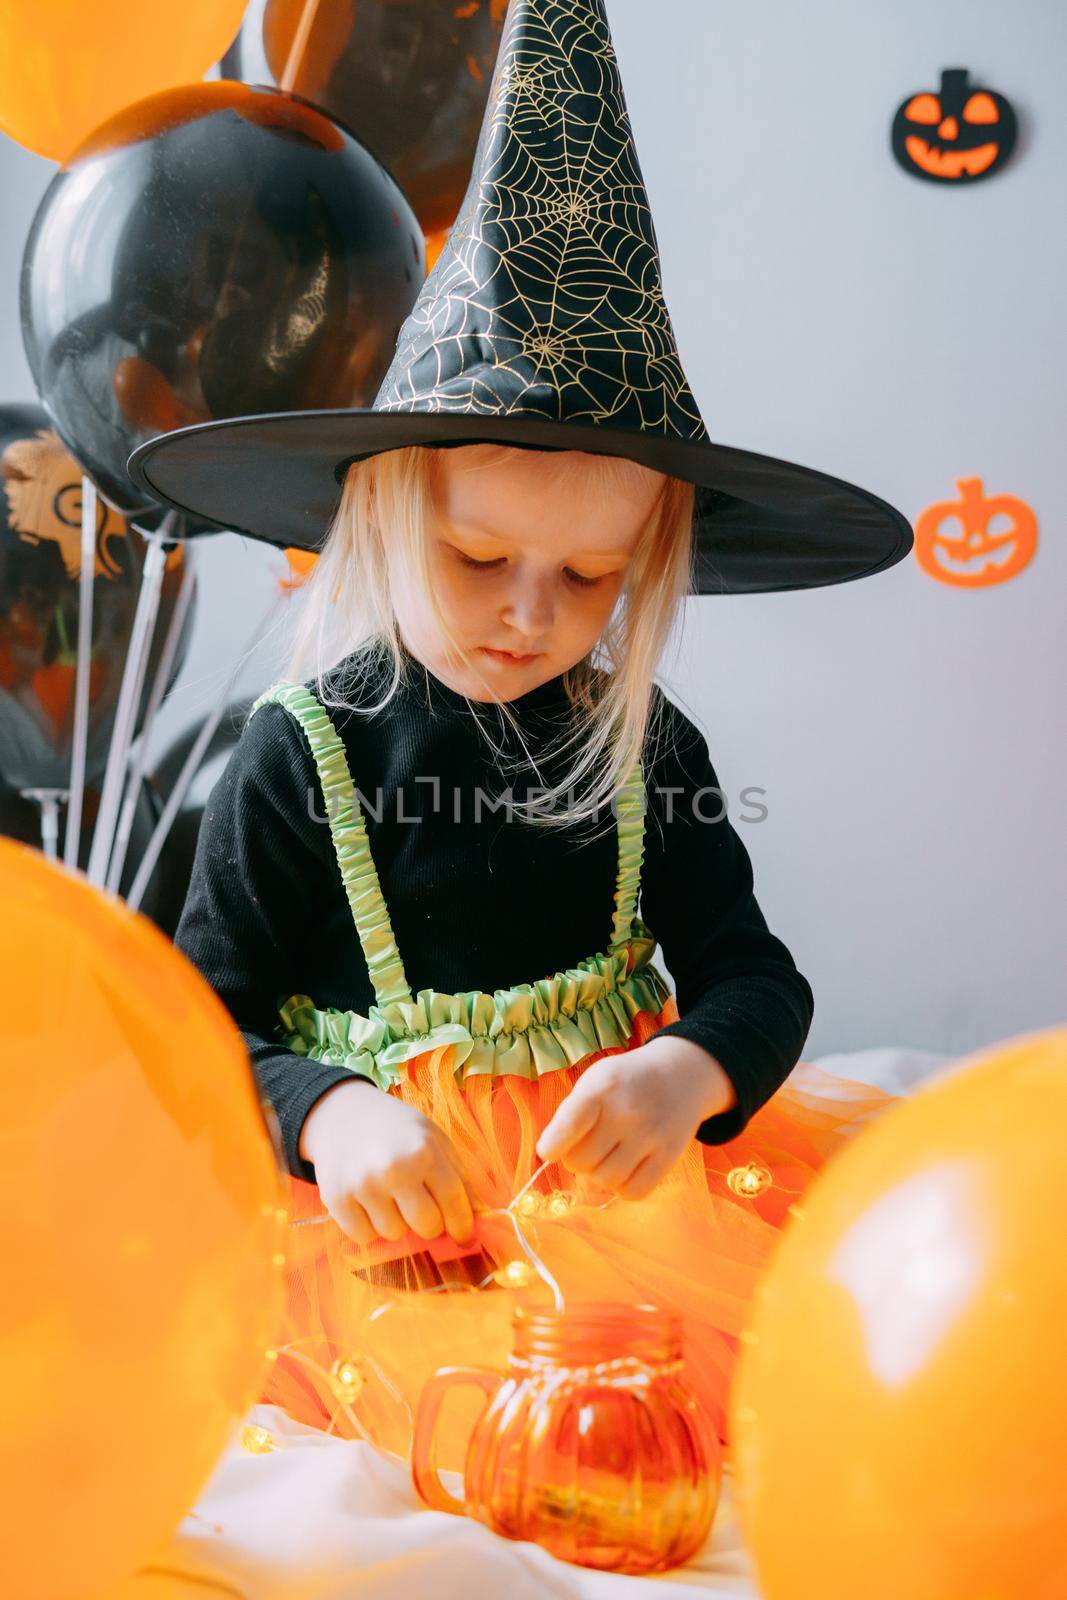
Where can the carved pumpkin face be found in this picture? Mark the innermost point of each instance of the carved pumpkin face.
(957, 136)
(977, 556)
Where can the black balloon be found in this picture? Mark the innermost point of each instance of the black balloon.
(40, 575)
(410, 77)
(212, 251)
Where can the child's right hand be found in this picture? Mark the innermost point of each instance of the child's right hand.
(383, 1167)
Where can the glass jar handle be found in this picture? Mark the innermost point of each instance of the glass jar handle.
(424, 1471)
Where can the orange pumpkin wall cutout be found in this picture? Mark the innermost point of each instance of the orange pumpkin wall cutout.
(959, 135)
(299, 566)
(973, 554)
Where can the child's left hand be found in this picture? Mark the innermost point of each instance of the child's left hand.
(629, 1117)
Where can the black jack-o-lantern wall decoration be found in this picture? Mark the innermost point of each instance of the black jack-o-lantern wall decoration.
(963, 133)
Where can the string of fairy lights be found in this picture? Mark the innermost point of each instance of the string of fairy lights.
(349, 1373)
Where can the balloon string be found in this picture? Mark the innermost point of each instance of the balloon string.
(295, 59)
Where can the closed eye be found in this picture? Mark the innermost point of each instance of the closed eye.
(489, 566)
(483, 566)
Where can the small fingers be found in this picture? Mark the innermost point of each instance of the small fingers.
(590, 1151)
(385, 1215)
(646, 1176)
(574, 1119)
(352, 1219)
(420, 1210)
(451, 1194)
(422, 1192)
(620, 1164)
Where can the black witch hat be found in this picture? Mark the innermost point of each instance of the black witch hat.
(542, 325)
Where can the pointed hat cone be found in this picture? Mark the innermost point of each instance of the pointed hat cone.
(543, 325)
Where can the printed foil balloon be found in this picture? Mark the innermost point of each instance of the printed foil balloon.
(899, 1403)
(40, 572)
(411, 79)
(141, 1215)
(214, 251)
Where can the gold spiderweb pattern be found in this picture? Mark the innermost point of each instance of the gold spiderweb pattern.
(547, 299)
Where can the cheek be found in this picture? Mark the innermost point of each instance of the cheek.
(599, 603)
(582, 618)
(452, 586)
(457, 591)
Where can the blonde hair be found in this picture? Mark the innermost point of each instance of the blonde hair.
(387, 510)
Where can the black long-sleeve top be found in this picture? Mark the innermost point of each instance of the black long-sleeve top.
(480, 904)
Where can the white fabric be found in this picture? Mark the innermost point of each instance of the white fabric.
(900, 1071)
(320, 1518)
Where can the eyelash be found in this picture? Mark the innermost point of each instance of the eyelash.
(485, 566)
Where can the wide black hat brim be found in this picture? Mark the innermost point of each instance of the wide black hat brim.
(760, 524)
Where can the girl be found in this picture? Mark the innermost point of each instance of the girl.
(486, 1090)
(468, 1061)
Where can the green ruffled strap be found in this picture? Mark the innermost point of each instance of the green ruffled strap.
(349, 832)
(631, 828)
(525, 1031)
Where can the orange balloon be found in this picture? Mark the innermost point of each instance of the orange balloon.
(66, 67)
(141, 1218)
(898, 1407)
(164, 1585)
(435, 243)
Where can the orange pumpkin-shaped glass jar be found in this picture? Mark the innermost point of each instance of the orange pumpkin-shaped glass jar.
(592, 1445)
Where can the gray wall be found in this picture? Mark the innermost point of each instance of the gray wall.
(899, 334)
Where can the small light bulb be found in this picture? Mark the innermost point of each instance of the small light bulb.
(750, 1180)
(559, 1203)
(347, 1379)
(514, 1275)
(256, 1439)
(529, 1204)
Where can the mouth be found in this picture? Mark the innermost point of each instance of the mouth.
(967, 565)
(507, 658)
(950, 163)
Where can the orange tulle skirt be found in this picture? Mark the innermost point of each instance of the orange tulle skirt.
(365, 1326)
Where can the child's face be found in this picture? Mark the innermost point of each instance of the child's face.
(522, 561)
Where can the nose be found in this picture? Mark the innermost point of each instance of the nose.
(529, 609)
